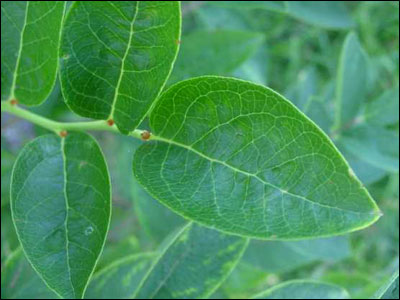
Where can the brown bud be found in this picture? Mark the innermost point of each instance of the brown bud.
(63, 133)
(110, 122)
(145, 135)
(14, 101)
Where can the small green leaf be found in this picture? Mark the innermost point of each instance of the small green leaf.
(117, 56)
(120, 279)
(391, 289)
(7, 162)
(254, 165)
(214, 52)
(20, 281)
(9, 239)
(193, 265)
(384, 110)
(279, 256)
(30, 37)
(60, 200)
(351, 83)
(304, 289)
(374, 145)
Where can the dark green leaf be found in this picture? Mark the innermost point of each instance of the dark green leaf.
(193, 265)
(303, 289)
(214, 53)
(351, 83)
(120, 279)
(254, 164)
(117, 56)
(20, 281)
(60, 200)
(30, 36)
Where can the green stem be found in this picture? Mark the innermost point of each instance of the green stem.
(58, 127)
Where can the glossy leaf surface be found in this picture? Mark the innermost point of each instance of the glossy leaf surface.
(60, 200)
(254, 164)
(30, 37)
(116, 57)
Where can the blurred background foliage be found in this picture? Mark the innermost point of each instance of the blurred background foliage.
(317, 54)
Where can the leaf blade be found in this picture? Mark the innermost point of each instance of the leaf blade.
(207, 253)
(190, 132)
(132, 48)
(53, 175)
(28, 70)
(304, 289)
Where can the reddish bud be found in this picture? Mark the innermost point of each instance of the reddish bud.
(110, 122)
(145, 135)
(63, 133)
(14, 101)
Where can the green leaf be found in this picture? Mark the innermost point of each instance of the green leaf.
(305, 87)
(20, 281)
(148, 210)
(9, 239)
(30, 37)
(326, 14)
(391, 289)
(118, 250)
(316, 110)
(304, 289)
(279, 257)
(7, 162)
(117, 56)
(331, 15)
(60, 200)
(384, 110)
(254, 165)
(351, 83)
(214, 52)
(120, 279)
(374, 145)
(193, 265)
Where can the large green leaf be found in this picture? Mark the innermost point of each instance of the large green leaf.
(193, 265)
(391, 289)
(304, 289)
(30, 36)
(20, 281)
(253, 164)
(214, 52)
(60, 200)
(117, 56)
(351, 83)
(283, 256)
(120, 279)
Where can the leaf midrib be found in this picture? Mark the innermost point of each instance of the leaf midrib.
(172, 142)
(122, 71)
(64, 157)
